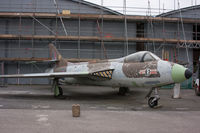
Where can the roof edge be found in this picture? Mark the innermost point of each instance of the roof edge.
(177, 11)
(98, 6)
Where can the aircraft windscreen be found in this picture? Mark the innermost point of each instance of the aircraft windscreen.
(136, 57)
(142, 56)
(148, 57)
(155, 56)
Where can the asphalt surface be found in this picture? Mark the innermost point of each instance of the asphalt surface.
(34, 109)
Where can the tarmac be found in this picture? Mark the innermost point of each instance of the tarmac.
(32, 108)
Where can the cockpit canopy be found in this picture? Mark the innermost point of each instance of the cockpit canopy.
(142, 56)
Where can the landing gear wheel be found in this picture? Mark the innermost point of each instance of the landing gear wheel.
(197, 91)
(60, 91)
(152, 102)
(123, 91)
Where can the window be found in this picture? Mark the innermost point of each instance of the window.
(148, 57)
(136, 57)
(142, 56)
(196, 32)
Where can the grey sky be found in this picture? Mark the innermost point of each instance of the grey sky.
(140, 7)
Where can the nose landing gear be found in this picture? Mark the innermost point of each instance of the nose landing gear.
(153, 101)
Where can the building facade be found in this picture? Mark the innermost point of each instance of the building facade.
(82, 30)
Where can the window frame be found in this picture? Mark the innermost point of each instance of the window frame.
(142, 59)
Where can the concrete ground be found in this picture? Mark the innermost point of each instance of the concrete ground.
(33, 109)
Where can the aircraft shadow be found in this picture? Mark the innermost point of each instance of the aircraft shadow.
(75, 95)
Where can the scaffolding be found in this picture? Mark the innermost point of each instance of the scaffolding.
(143, 38)
(98, 35)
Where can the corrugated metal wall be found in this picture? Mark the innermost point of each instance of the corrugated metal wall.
(48, 6)
(39, 48)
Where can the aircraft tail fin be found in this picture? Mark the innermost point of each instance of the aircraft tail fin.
(56, 56)
(53, 52)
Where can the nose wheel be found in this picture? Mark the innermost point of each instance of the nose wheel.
(153, 101)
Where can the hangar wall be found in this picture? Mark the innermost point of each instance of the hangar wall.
(48, 6)
(87, 27)
(188, 12)
(39, 48)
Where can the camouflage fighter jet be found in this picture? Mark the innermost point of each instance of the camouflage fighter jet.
(141, 69)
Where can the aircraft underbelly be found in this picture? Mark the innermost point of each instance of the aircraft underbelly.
(132, 83)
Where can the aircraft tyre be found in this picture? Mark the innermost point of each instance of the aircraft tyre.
(197, 91)
(152, 102)
(123, 91)
(60, 91)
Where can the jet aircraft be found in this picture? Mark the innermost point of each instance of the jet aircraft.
(141, 69)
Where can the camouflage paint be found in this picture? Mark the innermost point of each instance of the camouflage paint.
(55, 55)
(95, 67)
(141, 69)
(60, 69)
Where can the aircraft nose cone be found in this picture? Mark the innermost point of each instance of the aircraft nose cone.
(188, 73)
(180, 73)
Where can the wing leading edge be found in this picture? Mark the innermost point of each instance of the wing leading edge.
(47, 75)
(107, 73)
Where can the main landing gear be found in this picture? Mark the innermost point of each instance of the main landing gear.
(153, 101)
(123, 91)
(58, 91)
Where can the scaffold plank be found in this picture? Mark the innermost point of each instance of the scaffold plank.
(93, 38)
(44, 59)
(97, 16)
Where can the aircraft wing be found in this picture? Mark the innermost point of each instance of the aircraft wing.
(106, 74)
(44, 61)
(47, 75)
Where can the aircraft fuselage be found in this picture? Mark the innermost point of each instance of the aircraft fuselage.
(138, 74)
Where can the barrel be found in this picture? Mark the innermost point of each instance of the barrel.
(76, 110)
